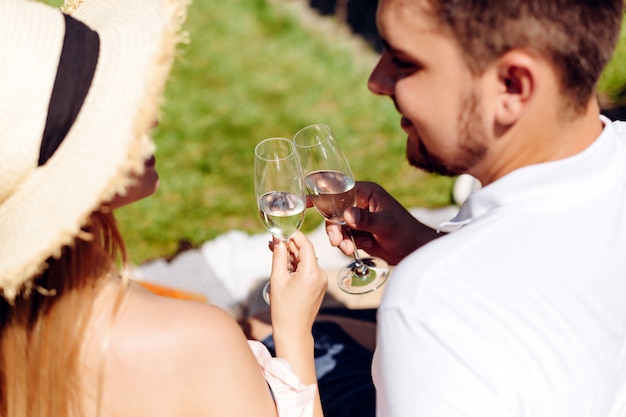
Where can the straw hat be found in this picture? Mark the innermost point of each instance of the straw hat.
(42, 208)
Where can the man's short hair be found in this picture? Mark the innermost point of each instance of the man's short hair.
(577, 36)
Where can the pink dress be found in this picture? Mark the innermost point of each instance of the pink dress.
(292, 397)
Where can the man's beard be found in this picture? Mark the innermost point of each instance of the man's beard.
(472, 145)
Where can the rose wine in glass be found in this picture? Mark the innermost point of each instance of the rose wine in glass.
(279, 188)
(331, 187)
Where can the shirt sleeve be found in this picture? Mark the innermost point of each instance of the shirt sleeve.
(292, 397)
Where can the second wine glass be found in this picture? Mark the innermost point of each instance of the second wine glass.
(331, 187)
(279, 188)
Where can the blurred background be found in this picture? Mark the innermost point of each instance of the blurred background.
(254, 69)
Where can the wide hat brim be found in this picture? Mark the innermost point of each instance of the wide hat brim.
(108, 141)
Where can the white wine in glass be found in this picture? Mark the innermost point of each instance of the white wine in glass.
(282, 213)
(279, 188)
(331, 187)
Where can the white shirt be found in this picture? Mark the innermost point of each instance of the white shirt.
(521, 312)
(292, 397)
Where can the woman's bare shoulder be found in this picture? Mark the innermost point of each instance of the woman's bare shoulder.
(188, 355)
(147, 312)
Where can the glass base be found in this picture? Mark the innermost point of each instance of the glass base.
(266, 293)
(352, 283)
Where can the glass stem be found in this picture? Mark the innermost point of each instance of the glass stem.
(359, 267)
(291, 258)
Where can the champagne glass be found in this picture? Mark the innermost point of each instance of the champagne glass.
(331, 187)
(279, 188)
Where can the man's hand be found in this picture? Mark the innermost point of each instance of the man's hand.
(381, 226)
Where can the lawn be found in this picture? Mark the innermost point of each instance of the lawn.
(253, 70)
(262, 68)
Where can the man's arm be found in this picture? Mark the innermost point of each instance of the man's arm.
(381, 226)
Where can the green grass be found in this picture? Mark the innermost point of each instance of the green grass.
(613, 81)
(252, 71)
(256, 69)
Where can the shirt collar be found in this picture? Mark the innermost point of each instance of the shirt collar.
(534, 181)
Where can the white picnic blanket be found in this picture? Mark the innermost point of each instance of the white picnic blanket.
(226, 269)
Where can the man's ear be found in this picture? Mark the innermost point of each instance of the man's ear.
(517, 76)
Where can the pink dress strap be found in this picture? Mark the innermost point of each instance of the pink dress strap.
(292, 397)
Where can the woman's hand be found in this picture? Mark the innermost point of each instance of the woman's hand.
(297, 286)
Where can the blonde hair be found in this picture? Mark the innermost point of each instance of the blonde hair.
(41, 332)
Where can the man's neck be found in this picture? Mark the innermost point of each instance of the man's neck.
(540, 137)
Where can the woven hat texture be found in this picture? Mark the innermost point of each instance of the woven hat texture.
(42, 208)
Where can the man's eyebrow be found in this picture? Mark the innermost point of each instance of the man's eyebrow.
(390, 48)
